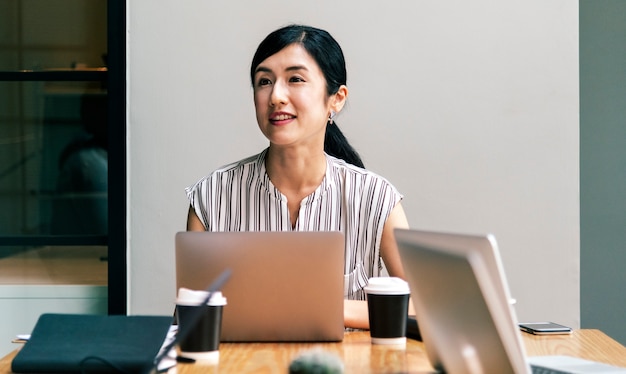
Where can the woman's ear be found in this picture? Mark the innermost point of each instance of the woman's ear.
(339, 99)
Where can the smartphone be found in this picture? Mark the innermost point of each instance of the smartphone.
(544, 328)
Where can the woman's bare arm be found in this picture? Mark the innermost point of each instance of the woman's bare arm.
(193, 222)
(355, 314)
(388, 245)
(355, 311)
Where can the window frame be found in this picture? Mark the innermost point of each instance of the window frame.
(115, 78)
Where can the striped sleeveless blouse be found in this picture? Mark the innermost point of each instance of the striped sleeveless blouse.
(355, 201)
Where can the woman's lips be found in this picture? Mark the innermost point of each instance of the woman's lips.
(281, 118)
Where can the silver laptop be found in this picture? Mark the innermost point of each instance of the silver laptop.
(462, 305)
(284, 286)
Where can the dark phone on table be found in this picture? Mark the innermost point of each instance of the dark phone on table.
(544, 328)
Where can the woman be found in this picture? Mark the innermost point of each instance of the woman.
(309, 178)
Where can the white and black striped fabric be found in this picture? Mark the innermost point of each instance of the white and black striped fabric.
(241, 197)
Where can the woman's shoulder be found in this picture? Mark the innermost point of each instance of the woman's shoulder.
(346, 168)
(362, 186)
(367, 179)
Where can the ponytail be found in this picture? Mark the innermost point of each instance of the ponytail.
(336, 145)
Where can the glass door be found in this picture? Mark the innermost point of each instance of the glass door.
(62, 159)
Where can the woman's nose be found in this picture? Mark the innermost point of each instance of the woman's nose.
(278, 95)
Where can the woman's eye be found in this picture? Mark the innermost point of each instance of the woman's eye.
(264, 82)
(296, 79)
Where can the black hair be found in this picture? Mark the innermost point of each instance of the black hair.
(328, 54)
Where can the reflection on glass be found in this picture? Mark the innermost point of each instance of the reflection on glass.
(51, 34)
(53, 164)
(53, 144)
(79, 202)
(55, 265)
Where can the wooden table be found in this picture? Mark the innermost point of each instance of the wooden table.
(360, 356)
(589, 344)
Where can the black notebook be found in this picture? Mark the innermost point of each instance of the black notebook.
(76, 343)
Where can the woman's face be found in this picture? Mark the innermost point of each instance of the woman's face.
(292, 105)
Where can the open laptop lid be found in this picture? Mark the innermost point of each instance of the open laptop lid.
(461, 301)
(285, 286)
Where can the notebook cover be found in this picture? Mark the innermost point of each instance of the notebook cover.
(74, 343)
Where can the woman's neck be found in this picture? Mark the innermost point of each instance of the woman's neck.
(297, 171)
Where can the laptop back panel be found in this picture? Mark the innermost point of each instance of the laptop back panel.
(461, 302)
(285, 286)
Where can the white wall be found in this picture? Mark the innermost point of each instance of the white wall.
(469, 108)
